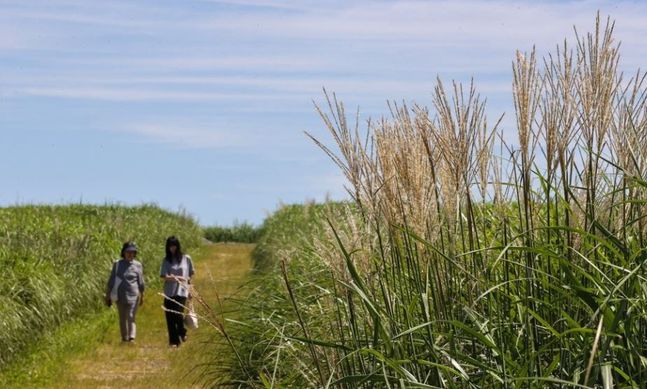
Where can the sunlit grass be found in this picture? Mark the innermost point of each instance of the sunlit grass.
(88, 352)
(469, 261)
(56, 261)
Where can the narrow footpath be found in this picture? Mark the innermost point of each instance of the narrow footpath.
(149, 362)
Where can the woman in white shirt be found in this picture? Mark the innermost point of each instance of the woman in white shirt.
(176, 270)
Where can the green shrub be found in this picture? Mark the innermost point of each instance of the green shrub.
(289, 237)
(289, 227)
(241, 233)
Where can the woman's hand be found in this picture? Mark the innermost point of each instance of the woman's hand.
(107, 300)
(141, 299)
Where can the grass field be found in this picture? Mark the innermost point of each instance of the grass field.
(95, 356)
(56, 262)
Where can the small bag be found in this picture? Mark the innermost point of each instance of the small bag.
(114, 292)
(191, 318)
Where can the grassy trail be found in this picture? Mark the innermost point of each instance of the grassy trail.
(149, 363)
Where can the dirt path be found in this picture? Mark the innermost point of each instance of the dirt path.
(150, 363)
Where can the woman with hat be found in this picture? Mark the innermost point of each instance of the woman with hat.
(126, 289)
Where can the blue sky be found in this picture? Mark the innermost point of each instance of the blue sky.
(202, 105)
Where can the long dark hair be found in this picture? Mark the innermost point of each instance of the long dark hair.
(173, 241)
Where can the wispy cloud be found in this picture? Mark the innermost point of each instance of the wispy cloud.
(189, 137)
(271, 49)
(437, 23)
(271, 4)
(404, 23)
(133, 94)
(257, 51)
(218, 88)
(124, 14)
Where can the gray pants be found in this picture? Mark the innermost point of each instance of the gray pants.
(127, 312)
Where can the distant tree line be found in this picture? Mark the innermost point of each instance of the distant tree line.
(239, 232)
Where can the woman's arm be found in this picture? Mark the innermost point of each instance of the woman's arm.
(171, 277)
(190, 266)
(111, 282)
(140, 279)
(165, 272)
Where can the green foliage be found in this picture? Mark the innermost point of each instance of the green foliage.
(56, 261)
(265, 328)
(464, 271)
(240, 233)
(285, 228)
(44, 362)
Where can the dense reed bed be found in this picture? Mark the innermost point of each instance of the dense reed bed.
(477, 256)
(56, 260)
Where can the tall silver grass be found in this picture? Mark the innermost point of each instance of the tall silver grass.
(523, 266)
(469, 261)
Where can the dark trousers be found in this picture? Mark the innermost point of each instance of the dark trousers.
(175, 321)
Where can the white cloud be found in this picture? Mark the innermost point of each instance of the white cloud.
(263, 54)
(121, 14)
(133, 94)
(443, 24)
(255, 62)
(272, 4)
(188, 137)
(159, 88)
(422, 23)
(439, 23)
(292, 48)
(13, 39)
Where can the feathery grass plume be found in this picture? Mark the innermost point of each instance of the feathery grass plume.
(629, 144)
(464, 142)
(406, 190)
(558, 109)
(354, 161)
(597, 84)
(455, 133)
(526, 90)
